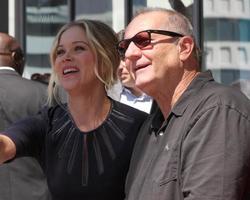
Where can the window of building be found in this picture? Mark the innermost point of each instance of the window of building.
(43, 20)
(209, 5)
(229, 36)
(211, 29)
(209, 55)
(183, 6)
(243, 29)
(240, 5)
(225, 55)
(111, 12)
(242, 55)
(226, 29)
(224, 5)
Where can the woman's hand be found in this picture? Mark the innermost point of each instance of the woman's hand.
(7, 148)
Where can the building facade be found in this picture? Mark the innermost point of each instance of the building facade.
(227, 39)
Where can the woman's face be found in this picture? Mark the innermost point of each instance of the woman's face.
(74, 63)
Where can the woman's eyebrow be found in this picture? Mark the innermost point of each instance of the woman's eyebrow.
(74, 42)
(80, 41)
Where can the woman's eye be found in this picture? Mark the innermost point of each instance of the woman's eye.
(79, 48)
(60, 52)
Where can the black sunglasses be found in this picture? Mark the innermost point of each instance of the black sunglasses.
(142, 39)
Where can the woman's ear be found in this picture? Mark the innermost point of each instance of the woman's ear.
(186, 46)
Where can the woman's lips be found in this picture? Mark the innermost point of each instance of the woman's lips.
(69, 70)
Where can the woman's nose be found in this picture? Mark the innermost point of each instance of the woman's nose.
(67, 56)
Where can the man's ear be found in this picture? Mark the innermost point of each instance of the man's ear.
(18, 60)
(186, 46)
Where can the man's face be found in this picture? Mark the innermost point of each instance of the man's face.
(153, 65)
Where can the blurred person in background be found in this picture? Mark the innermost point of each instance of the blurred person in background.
(129, 93)
(22, 179)
(43, 78)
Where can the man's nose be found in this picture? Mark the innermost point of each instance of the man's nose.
(133, 52)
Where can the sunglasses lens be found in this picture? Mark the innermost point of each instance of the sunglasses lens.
(122, 47)
(141, 39)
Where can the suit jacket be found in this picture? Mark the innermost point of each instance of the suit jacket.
(21, 179)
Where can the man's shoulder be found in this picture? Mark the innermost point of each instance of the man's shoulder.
(33, 83)
(22, 89)
(215, 94)
(27, 84)
(224, 93)
(12, 77)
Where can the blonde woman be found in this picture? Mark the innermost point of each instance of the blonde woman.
(84, 145)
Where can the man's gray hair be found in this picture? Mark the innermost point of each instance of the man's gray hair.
(176, 22)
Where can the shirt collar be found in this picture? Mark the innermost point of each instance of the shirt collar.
(142, 97)
(7, 67)
(157, 118)
(197, 83)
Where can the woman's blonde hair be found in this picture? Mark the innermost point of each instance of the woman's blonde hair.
(102, 40)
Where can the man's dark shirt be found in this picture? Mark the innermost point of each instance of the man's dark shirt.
(200, 152)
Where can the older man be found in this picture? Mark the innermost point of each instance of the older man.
(197, 144)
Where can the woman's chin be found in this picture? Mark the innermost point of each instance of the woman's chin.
(69, 87)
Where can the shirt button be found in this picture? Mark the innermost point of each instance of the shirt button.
(161, 133)
(167, 147)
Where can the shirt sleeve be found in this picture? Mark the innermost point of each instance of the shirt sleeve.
(28, 134)
(216, 156)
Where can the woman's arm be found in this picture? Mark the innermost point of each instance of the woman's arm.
(7, 149)
(24, 137)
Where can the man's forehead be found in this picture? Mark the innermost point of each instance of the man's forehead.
(145, 21)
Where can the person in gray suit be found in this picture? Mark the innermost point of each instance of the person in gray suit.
(23, 178)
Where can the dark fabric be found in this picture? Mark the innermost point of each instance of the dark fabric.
(22, 179)
(81, 165)
(201, 151)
